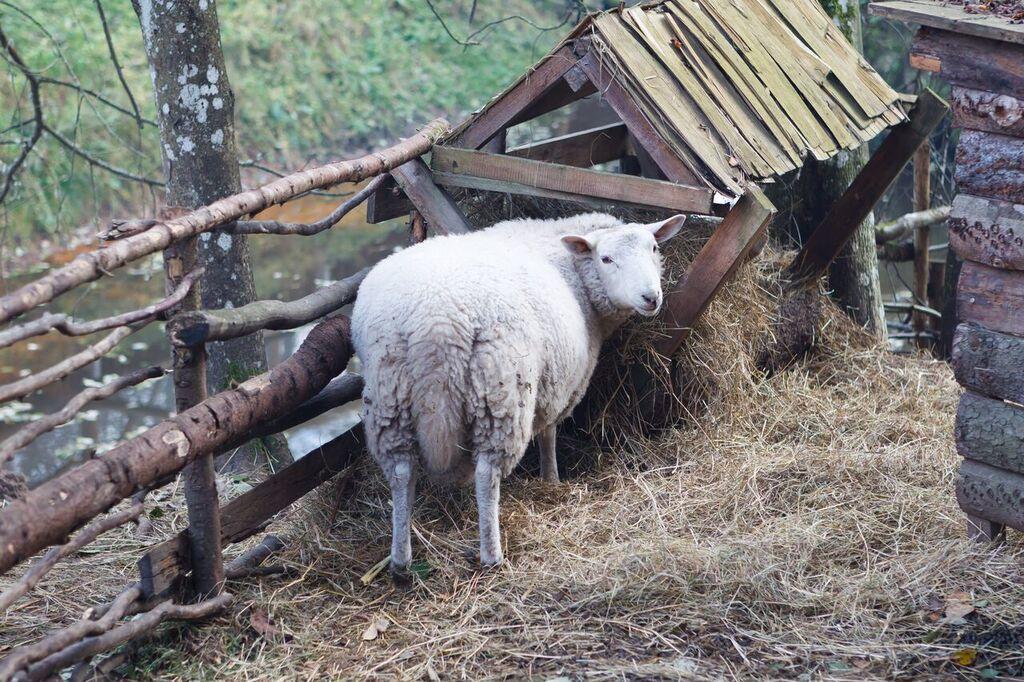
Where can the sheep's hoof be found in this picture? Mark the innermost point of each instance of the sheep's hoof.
(550, 477)
(401, 576)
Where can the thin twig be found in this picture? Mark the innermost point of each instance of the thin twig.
(99, 163)
(37, 115)
(34, 382)
(99, 97)
(68, 326)
(117, 66)
(30, 432)
(86, 536)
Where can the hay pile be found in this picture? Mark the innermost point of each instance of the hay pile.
(804, 526)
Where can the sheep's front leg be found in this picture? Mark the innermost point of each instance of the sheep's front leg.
(488, 493)
(548, 460)
(403, 493)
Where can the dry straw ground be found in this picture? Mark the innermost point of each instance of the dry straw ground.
(802, 525)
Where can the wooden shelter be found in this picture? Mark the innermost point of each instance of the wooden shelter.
(713, 99)
(982, 56)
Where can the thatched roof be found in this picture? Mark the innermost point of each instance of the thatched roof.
(742, 89)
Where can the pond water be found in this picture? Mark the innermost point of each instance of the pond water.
(284, 267)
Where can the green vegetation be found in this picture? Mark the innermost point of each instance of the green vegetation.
(312, 80)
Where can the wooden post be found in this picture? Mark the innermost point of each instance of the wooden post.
(199, 477)
(922, 201)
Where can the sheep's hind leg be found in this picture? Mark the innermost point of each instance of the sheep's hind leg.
(488, 493)
(402, 478)
(548, 458)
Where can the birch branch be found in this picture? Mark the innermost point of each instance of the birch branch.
(904, 225)
(34, 382)
(30, 432)
(70, 327)
(88, 534)
(90, 266)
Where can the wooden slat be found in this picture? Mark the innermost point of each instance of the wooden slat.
(991, 493)
(989, 363)
(581, 149)
(387, 203)
(714, 265)
(988, 231)
(991, 297)
(950, 17)
(990, 431)
(850, 210)
(988, 111)
(969, 61)
(453, 164)
(163, 566)
(643, 131)
(433, 203)
(990, 165)
(502, 111)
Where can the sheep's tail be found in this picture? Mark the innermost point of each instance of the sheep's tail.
(438, 409)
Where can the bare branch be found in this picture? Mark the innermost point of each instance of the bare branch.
(37, 115)
(309, 229)
(117, 66)
(99, 97)
(139, 626)
(87, 267)
(902, 226)
(68, 326)
(30, 432)
(86, 536)
(34, 382)
(100, 163)
(244, 564)
(253, 163)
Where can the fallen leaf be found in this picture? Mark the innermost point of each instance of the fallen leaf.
(260, 622)
(958, 611)
(964, 657)
(375, 629)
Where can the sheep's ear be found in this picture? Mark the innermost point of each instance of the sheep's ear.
(581, 246)
(666, 229)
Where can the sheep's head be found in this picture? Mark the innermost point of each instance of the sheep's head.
(627, 262)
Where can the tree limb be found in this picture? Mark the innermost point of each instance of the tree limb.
(194, 328)
(30, 432)
(34, 382)
(90, 266)
(37, 115)
(244, 564)
(904, 225)
(87, 535)
(70, 327)
(309, 229)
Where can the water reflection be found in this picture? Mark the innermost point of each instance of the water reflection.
(285, 267)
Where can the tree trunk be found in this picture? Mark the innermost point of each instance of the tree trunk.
(195, 111)
(853, 276)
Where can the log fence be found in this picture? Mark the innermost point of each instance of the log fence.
(183, 577)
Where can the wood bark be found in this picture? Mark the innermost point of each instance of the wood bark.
(988, 231)
(922, 233)
(48, 513)
(991, 493)
(989, 363)
(90, 266)
(990, 165)
(950, 319)
(990, 431)
(970, 61)
(195, 114)
(988, 111)
(991, 297)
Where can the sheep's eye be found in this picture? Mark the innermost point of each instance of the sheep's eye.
(606, 259)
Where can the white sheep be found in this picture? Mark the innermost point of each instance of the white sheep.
(473, 344)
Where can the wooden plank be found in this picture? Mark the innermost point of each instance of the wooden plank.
(988, 231)
(674, 168)
(581, 149)
(988, 111)
(991, 297)
(990, 165)
(561, 94)
(451, 164)
(922, 235)
(714, 265)
(989, 363)
(434, 204)
(969, 61)
(850, 210)
(990, 431)
(162, 567)
(502, 111)
(990, 493)
(387, 203)
(949, 17)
